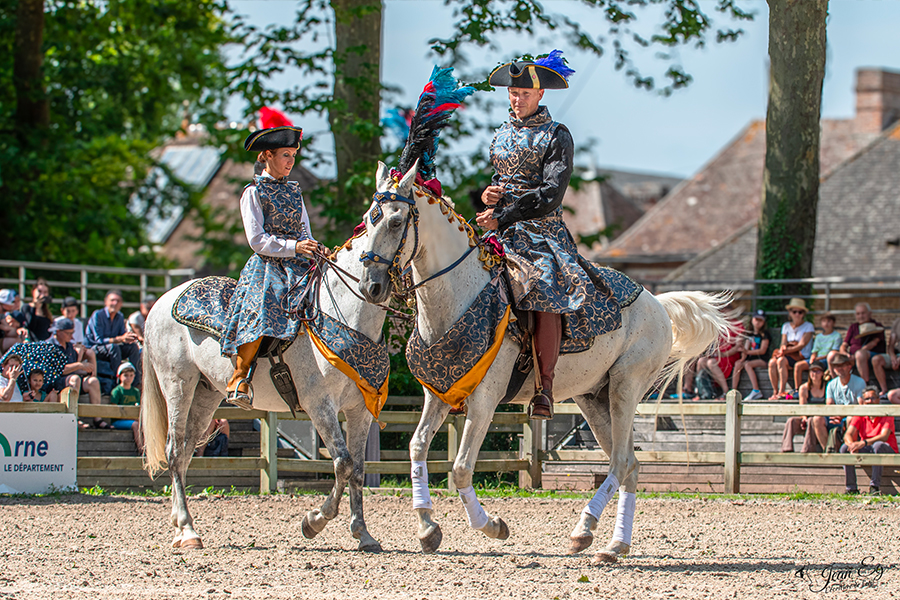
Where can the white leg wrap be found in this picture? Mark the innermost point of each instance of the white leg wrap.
(421, 495)
(601, 496)
(477, 517)
(624, 517)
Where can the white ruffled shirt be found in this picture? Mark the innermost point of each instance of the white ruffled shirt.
(260, 241)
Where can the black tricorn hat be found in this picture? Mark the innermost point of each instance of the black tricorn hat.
(526, 74)
(285, 136)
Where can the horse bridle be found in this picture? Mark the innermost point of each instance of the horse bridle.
(395, 270)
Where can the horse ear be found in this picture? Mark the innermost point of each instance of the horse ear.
(382, 177)
(406, 184)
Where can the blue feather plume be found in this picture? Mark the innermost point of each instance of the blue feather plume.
(556, 62)
(442, 95)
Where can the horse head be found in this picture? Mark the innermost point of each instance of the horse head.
(392, 223)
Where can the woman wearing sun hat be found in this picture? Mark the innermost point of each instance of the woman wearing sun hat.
(796, 345)
(276, 223)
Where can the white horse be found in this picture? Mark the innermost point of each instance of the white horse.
(658, 336)
(185, 377)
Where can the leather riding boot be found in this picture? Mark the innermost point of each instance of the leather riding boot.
(547, 337)
(237, 392)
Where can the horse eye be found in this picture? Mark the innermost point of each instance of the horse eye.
(395, 222)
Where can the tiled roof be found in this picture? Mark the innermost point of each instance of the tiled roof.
(857, 224)
(722, 197)
(595, 206)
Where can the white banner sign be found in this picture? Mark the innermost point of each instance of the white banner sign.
(37, 453)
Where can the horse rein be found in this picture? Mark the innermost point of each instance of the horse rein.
(395, 270)
(316, 274)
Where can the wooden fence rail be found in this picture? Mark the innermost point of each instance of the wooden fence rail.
(528, 461)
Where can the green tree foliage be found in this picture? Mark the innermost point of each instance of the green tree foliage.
(118, 77)
(479, 23)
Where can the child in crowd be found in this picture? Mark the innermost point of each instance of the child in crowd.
(35, 391)
(825, 346)
(754, 355)
(126, 395)
(12, 368)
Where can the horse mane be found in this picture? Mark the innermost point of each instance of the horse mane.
(441, 96)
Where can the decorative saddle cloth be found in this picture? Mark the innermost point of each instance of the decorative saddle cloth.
(454, 365)
(203, 305)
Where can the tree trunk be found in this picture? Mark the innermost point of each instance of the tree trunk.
(357, 92)
(787, 226)
(32, 108)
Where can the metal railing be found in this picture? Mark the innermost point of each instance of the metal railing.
(26, 276)
(829, 291)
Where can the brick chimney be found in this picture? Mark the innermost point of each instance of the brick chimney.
(877, 99)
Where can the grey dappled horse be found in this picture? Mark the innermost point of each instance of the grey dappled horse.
(185, 376)
(658, 336)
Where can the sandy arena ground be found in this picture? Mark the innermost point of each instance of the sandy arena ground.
(118, 547)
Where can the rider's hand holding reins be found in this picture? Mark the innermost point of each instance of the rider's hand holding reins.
(486, 220)
(308, 247)
(491, 195)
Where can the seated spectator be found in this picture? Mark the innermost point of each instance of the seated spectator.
(137, 319)
(38, 318)
(846, 389)
(867, 435)
(125, 394)
(721, 365)
(217, 439)
(70, 308)
(796, 346)
(9, 301)
(11, 370)
(889, 360)
(15, 320)
(36, 392)
(825, 346)
(107, 336)
(754, 354)
(857, 347)
(77, 374)
(816, 428)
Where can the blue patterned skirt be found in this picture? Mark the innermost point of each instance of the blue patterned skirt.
(259, 306)
(548, 275)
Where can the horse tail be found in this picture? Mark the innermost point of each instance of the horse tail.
(154, 418)
(698, 323)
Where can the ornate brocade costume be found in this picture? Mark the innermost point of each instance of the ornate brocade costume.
(533, 159)
(259, 307)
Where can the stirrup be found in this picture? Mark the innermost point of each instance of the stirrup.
(241, 399)
(531, 406)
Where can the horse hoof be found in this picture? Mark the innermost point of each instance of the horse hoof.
(499, 526)
(504, 530)
(604, 557)
(192, 544)
(579, 543)
(373, 547)
(176, 543)
(307, 529)
(432, 540)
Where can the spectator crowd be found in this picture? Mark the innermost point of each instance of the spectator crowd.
(100, 358)
(815, 367)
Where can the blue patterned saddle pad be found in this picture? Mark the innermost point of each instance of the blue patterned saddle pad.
(203, 305)
(622, 288)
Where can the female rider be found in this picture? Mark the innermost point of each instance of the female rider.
(277, 226)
